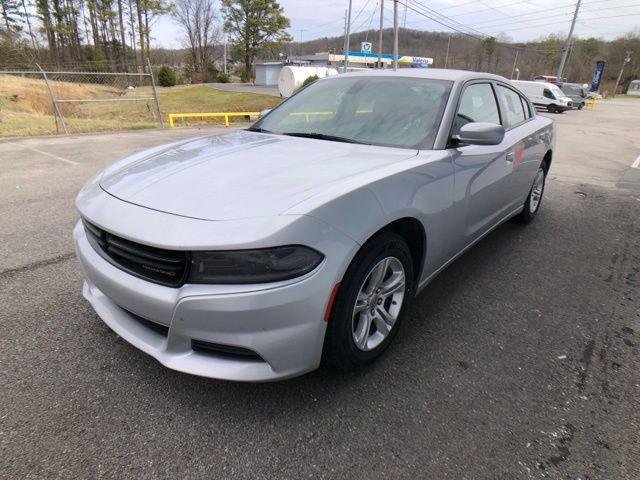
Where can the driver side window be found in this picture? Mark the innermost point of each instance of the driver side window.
(477, 104)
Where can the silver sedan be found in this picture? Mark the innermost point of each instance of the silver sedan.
(257, 254)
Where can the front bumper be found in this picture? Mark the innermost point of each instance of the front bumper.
(283, 323)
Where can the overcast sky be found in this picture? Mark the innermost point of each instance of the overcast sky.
(518, 19)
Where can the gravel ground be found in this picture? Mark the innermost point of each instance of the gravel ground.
(518, 361)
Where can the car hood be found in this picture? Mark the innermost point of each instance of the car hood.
(240, 174)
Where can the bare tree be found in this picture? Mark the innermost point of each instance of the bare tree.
(198, 21)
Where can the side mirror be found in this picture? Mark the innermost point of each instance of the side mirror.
(481, 133)
(264, 112)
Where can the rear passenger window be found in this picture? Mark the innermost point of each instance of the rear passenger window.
(511, 106)
(477, 104)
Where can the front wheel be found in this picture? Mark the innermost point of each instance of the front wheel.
(534, 199)
(368, 308)
(553, 108)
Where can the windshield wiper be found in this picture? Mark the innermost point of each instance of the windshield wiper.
(259, 129)
(323, 136)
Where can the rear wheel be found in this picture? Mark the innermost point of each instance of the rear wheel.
(534, 199)
(369, 305)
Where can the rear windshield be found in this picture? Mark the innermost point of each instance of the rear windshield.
(573, 90)
(389, 111)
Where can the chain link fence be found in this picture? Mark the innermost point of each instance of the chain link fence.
(72, 99)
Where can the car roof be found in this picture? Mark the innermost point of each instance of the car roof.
(534, 82)
(430, 73)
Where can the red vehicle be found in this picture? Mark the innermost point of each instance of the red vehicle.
(546, 78)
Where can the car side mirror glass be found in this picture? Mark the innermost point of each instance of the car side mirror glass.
(480, 133)
(264, 112)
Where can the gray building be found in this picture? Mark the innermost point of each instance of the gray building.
(267, 73)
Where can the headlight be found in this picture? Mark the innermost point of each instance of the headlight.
(253, 266)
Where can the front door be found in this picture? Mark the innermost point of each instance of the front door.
(482, 173)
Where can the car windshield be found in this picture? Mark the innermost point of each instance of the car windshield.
(557, 92)
(573, 90)
(389, 111)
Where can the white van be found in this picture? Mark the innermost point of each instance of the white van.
(544, 95)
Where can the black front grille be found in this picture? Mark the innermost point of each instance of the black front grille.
(166, 267)
(156, 327)
(228, 351)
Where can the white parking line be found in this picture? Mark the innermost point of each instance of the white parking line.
(636, 164)
(50, 155)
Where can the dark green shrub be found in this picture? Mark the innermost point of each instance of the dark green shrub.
(210, 74)
(309, 80)
(223, 77)
(166, 77)
(242, 72)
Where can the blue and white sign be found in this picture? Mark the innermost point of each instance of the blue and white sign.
(597, 76)
(365, 47)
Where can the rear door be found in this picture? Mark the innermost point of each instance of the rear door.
(482, 172)
(524, 144)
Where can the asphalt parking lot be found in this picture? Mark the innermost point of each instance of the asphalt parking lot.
(521, 361)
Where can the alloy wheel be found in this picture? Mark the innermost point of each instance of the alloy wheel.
(536, 191)
(378, 303)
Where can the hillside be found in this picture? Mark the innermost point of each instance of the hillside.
(498, 55)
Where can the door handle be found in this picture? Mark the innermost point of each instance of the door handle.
(511, 156)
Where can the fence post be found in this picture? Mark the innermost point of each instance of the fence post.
(56, 109)
(155, 93)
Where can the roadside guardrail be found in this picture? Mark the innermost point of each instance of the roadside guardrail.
(225, 115)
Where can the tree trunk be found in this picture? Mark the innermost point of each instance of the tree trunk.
(123, 42)
(132, 24)
(28, 19)
(140, 28)
(248, 61)
(147, 31)
(42, 7)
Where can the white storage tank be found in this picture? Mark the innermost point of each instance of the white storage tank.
(292, 77)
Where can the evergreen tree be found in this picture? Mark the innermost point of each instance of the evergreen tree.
(253, 26)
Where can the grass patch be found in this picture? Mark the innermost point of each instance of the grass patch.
(25, 106)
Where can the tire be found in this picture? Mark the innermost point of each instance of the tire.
(345, 325)
(581, 106)
(531, 206)
(553, 108)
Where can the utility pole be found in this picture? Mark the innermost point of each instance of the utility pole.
(380, 34)
(300, 30)
(567, 43)
(626, 60)
(395, 34)
(224, 56)
(513, 70)
(346, 39)
(446, 58)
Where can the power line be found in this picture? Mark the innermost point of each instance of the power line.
(482, 37)
(537, 12)
(360, 12)
(500, 11)
(545, 17)
(444, 20)
(517, 2)
(564, 21)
